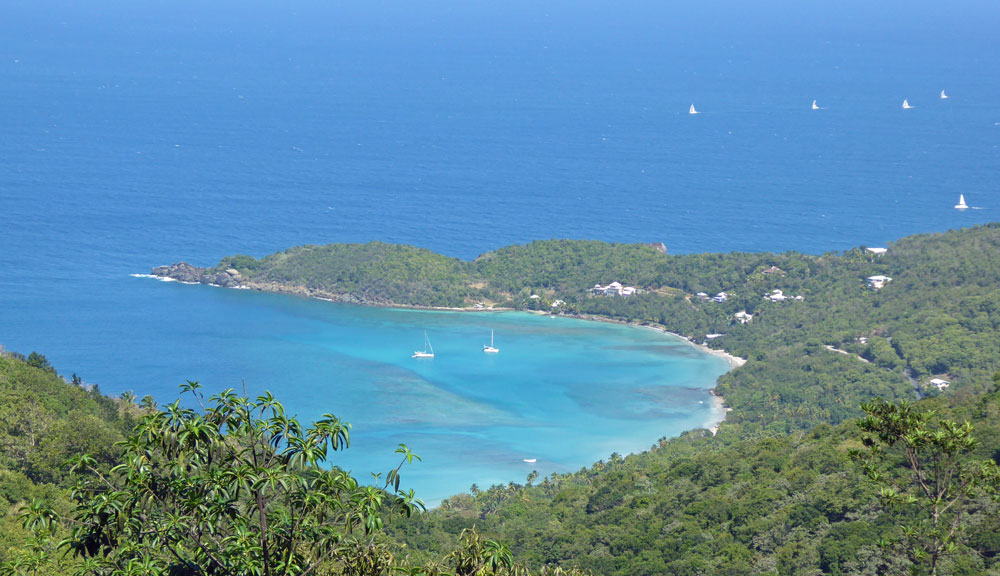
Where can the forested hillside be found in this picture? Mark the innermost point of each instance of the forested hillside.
(44, 421)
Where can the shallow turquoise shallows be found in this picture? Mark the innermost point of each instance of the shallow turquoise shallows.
(561, 391)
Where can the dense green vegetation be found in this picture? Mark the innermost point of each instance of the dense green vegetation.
(91, 485)
(43, 422)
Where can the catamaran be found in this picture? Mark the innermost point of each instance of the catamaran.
(961, 203)
(943, 95)
(490, 349)
(692, 110)
(906, 105)
(428, 349)
(815, 106)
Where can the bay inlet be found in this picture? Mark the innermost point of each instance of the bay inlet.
(563, 392)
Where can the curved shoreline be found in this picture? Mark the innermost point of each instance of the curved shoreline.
(275, 288)
(718, 401)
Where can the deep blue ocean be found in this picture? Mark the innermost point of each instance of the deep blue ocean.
(134, 134)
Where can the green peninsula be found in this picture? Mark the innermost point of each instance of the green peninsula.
(819, 334)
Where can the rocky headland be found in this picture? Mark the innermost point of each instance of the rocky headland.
(231, 278)
(184, 272)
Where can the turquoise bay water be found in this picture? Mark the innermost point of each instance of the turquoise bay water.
(565, 392)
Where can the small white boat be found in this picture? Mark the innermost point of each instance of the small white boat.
(906, 105)
(531, 460)
(961, 203)
(490, 349)
(692, 110)
(943, 95)
(428, 349)
(815, 106)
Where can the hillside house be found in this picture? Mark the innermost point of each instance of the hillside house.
(613, 289)
(877, 282)
(939, 383)
(775, 296)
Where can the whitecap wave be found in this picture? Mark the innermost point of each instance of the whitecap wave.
(160, 278)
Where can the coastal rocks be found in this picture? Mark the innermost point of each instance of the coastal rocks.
(225, 280)
(184, 272)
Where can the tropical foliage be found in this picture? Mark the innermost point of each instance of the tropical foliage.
(231, 486)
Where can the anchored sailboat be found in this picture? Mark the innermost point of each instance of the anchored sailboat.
(428, 349)
(906, 105)
(490, 349)
(692, 110)
(961, 203)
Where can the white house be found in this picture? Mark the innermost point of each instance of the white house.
(720, 297)
(877, 282)
(775, 296)
(878, 251)
(614, 289)
(939, 383)
(742, 317)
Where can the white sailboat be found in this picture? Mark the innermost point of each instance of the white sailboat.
(815, 106)
(490, 349)
(906, 105)
(961, 203)
(692, 110)
(428, 349)
(943, 95)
